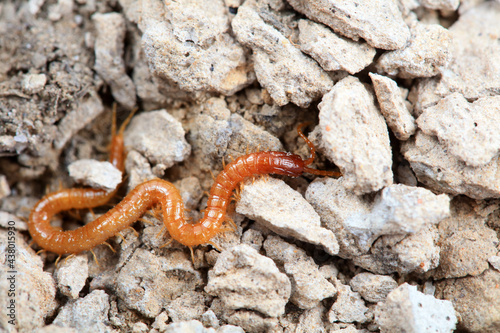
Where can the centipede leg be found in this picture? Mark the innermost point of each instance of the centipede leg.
(192, 253)
(161, 232)
(231, 222)
(212, 174)
(167, 243)
(121, 236)
(70, 256)
(215, 246)
(142, 219)
(57, 260)
(95, 258)
(109, 245)
(40, 251)
(92, 213)
(134, 231)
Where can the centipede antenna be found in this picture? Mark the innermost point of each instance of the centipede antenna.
(109, 245)
(95, 258)
(126, 121)
(308, 142)
(57, 260)
(113, 121)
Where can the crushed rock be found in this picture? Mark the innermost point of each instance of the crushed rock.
(287, 74)
(102, 175)
(71, 275)
(309, 287)
(373, 288)
(366, 161)
(380, 22)
(241, 276)
(278, 207)
(407, 309)
(393, 107)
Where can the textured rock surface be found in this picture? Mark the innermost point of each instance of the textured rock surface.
(158, 136)
(417, 252)
(224, 70)
(476, 299)
(393, 107)
(422, 313)
(378, 22)
(331, 51)
(147, 283)
(348, 307)
(309, 287)
(95, 174)
(187, 47)
(399, 210)
(281, 68)
(89, 314)
(474, 67)
(470, 131)
(241, 276)
(442, 172)
(275, 205)
(373, 288)
(109, 62)
(365, 162)
(71, 275)
(34, 289)
(426, 55)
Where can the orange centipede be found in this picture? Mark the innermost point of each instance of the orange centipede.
(154, 192)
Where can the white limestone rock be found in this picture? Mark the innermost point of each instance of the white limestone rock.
(109, 62)
(469, 131)
(406, 309)
(240, 278)
(96, 174)
(158, 136)
(331, 51)
(286, 73)
(373, 288)
(188, 42)
(379, 22)
(275, 205)
(440, 171)
(71, 275)
(393, 107)
(474, 69)
(365, 158)
(426, 54)
(349, 307)
(309, 287)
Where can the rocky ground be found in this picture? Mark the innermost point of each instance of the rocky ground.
(404, 96)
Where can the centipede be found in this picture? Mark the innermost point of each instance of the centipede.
(153, 193)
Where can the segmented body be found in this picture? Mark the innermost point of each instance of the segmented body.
(154, 192)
